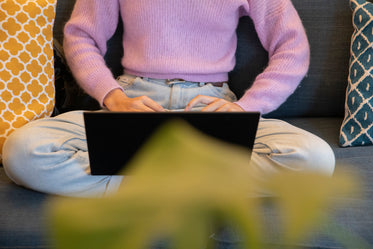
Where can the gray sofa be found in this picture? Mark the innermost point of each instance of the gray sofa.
(317, 106)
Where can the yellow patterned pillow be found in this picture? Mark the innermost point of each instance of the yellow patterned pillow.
(26, 63)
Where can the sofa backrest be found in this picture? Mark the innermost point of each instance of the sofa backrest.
(321, 93)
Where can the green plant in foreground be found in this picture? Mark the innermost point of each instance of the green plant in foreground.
(180, 187)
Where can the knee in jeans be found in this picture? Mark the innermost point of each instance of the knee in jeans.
(319, 157)
(292, 148)
(16, 155)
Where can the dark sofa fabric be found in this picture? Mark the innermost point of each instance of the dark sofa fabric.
(317, 105)
(23, 218)
(322, 91)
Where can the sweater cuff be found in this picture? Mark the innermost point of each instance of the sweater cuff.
(101, 91)
(248, 107)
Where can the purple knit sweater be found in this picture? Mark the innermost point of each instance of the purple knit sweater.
(194, 40)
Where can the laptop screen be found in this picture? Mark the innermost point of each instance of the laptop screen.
(114, 137)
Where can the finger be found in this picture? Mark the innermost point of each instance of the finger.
(139, 106)
(151, 104)
(200, 99)
(215, 105)
(224, 108)
(143, 108)
(230, 107)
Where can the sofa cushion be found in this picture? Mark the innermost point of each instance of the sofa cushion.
(24, 220)
(357, 127)
(329, 32)
(26, 63)
(354, 214)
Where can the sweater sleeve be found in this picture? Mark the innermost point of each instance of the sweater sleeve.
(91, 25)
(282, 34)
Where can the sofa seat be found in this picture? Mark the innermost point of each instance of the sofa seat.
(23, 213)
(23, 216)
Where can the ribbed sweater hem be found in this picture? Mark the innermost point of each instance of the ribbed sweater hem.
(215, 77)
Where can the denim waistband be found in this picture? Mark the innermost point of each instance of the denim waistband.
(178, 81)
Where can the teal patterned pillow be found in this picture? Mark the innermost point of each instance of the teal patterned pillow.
(357, 126)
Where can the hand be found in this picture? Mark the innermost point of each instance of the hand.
(117, 100)
(213, 104)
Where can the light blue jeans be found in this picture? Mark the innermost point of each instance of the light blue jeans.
(50, 155)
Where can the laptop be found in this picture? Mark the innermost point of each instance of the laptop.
(114, 137)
